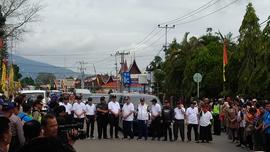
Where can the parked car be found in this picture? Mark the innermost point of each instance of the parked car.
(31, 96)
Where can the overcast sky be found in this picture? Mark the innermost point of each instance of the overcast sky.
(91, 30)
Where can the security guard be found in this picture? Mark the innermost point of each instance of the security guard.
(167, 117)
(114, 112)
(102, 118)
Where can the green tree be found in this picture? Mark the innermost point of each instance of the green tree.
(45, 78)
(249, 44)
(27, 81)
(17, 74)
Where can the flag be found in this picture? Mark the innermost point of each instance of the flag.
(3, 77)
(225, 59)
(11, 79)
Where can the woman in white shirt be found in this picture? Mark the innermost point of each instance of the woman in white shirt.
(205, 125)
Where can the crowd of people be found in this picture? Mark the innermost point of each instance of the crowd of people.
(25, 126)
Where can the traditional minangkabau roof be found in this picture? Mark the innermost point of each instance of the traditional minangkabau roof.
(134, 69)
(124, 68)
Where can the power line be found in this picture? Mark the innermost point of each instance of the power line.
(213, 12)
(194, 12)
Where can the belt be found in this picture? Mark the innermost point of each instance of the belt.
(179, 119)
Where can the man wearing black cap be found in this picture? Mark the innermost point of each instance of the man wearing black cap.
(128, 116)
(90, 112)
(142, 117)
(155, 117)
(167, 118)
(102, 118)
(114, 112)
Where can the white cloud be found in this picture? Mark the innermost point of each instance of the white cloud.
(95, 29)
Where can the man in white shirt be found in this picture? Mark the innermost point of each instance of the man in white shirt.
(79, 111)
(142, 117)
(128, 116)
(155, 117)
(90, 111)
(179, 121)
(192, 115)
(66, 104)
(114, 112)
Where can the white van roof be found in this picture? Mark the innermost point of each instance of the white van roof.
(32, 91)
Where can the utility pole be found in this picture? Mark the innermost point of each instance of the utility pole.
(166, 27)
(82, 69)
(122, 55)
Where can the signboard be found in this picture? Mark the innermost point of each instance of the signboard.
(126, 78)
(143, 79)
(197, 77)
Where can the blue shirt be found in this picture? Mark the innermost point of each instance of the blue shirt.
(24, 117)
(266, 121)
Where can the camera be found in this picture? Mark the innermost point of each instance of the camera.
(66, 129)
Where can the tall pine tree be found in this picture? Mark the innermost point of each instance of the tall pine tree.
(249, 42)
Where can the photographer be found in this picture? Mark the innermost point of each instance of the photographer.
(50, 128)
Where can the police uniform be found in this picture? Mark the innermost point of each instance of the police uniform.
(167, 117)
(102, 120)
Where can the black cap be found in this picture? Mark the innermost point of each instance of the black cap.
(154, 101)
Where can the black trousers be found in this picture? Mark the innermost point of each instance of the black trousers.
(195, 129)
(127, 129)
(114, 123)
(80, 121)
(217, 125)
(179, 125)
(167, 128)
(205, 133)
(102, 122)
(90, 123)
(155, 128)
(143, 130)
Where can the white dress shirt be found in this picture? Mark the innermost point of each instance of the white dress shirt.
(155, 109)
(192, 115)
(78, 108)
(205, 119)
(178, 114)
(127, 109)
(142, 112)
(114, 107)
(90, 109)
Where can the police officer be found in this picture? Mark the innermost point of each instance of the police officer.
(114, 112)
(167, 117)
(142, 117)
(155, 117)
(102, 118)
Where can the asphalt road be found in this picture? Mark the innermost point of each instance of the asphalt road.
(220, 144)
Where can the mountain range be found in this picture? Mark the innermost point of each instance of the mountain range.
(32, 68)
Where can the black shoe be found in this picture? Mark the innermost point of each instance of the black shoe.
(171, 140)
(153, 138)
(239, 145)
(139, 138)
(197, 142)
(164, 139)
(116, 137)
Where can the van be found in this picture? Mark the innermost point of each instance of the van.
(32, 94)
(84, 93)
